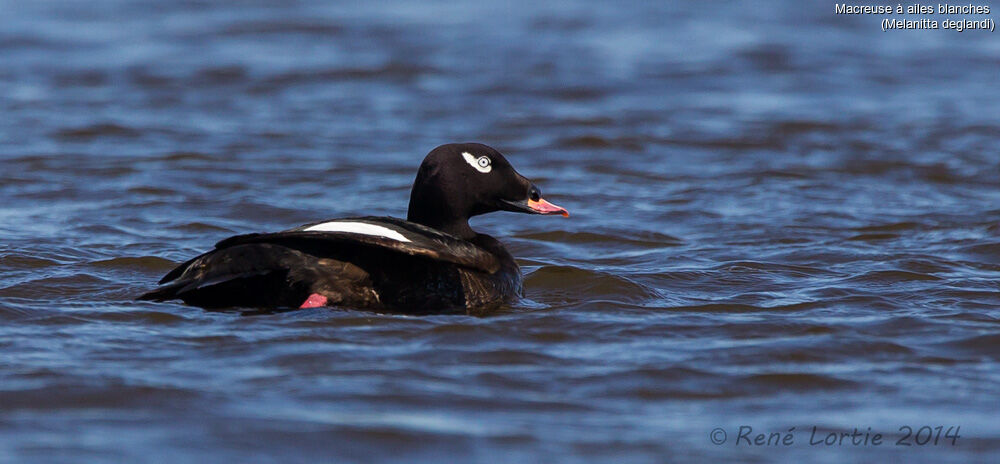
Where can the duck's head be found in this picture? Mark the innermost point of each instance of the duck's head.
(460, 180)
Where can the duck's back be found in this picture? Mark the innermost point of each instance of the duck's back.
(370, 262)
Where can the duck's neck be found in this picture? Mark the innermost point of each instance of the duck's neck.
(458, 227)
(434, 207)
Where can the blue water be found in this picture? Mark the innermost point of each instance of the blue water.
(781, 217)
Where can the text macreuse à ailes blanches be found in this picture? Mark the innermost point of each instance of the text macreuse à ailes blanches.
(942, 8)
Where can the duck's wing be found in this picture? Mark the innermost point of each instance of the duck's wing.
(269, 269)
(381, 233)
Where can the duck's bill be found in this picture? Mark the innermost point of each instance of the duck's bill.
(535, 207)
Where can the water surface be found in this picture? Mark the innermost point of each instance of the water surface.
(781, 218)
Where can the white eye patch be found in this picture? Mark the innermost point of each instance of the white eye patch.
(358, 228)
(482, 164)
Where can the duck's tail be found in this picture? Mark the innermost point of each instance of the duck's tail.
(164, 293)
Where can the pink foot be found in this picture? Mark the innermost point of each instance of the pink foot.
(314, 301)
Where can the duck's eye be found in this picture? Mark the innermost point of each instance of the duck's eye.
(534, 194)
(482, 164)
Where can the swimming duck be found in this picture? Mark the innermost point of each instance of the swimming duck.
(431, 262)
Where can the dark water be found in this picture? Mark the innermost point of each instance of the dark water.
(781, 218)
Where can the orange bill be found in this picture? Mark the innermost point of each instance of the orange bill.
(543, 207)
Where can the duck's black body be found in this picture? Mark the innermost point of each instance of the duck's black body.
(432, 262)
(432, 272)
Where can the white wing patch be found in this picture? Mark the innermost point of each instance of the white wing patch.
(482, 164)
(358, 228)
